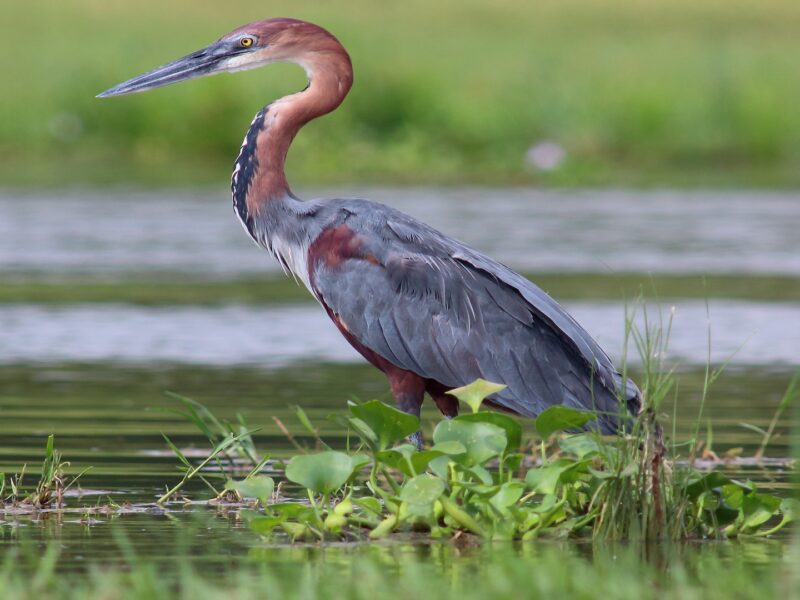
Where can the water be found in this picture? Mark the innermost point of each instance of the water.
(744, 333)
(534, 231)
(95, 374)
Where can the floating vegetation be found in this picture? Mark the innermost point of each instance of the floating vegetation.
(477, 479)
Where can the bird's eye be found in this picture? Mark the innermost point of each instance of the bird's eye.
(246, 42)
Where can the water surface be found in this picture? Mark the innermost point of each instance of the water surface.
(95, 374)
(531, 230)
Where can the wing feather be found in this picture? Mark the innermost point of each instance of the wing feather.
(450, 314)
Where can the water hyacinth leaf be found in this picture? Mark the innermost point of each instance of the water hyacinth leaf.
(419, 460)
(440, 466)
(263, 525)
(259, 487)
(297, 531)
(790, 508)
(359, 461)
(422, 490)
(733, 495)
(483, 475)
(508, 495)
(415, 512)
(580, 445)
(544, 479)
(561, 418)
(708, 482)
(482, 440)
(476, 392)
(451, 447)
(292, 510)
(387, 423)
(547, 504)
(369, 504)
(363, 431)
(708, 501)
(758, 509)
(405, 450)
(510, 425)
(322, 473)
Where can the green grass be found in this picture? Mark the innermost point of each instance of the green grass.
(182, 290)
(377, 572)
(664, 92)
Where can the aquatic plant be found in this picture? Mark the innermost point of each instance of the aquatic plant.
(49, 490)
(477, 478)
(229, 442)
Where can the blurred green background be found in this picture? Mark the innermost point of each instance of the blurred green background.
(677, 92)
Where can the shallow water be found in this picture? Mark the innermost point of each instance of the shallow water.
(743, 333)
(530, 230)
(111, 418)
(95, 374)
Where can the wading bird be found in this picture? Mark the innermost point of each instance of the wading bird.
(430, 312)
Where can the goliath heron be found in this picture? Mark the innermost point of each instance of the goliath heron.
(430, 312)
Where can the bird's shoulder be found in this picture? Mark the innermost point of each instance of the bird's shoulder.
(388, 231)
(420, 260)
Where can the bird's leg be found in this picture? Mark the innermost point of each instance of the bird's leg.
(447, 405)
(408, 390)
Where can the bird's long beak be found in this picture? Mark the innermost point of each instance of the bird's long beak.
(207, 61)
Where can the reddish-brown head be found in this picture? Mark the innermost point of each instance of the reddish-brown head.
(251, 46)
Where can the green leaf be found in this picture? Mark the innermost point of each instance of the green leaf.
(508, 495)
(370, 504)
(422, 490)
(419, 460)
(482, 440)
(758, 509)
(581, 445)
(452, 447)
(706, 483)
(389, 424)
(510, 425)
(733, 495)
(292, 510)
(441, 467)
(476, 392)
(258, 486)
(304, 420)
(790, 507)
(263, 525)
(544, 479)
(369, 437)
(322, 473)
(559, 418)
(754, 428)
(483, 475)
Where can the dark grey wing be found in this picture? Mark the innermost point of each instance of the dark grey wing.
(433, 306)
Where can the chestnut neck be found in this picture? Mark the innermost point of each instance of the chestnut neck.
(330, 76)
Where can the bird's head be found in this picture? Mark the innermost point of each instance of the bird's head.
(247, 47)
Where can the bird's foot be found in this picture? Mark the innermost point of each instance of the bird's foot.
(416, 439)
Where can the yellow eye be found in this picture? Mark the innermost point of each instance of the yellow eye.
(246, 42)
